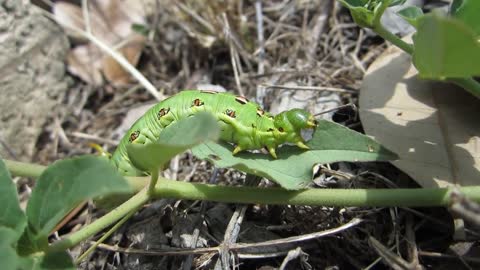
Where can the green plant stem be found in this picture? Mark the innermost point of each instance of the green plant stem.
(332, 197)
(153, 182)
(105, 236)
(387, 35)
(469, 84)
(24, 169)
(328, 197)
(75, 238)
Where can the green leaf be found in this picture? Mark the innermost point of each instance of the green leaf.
(11, 215)
(367, 13)
(360, 13)
(468, 12)
(293, 168)
(30, 242)
(57, 260)
(50, 261)
(397, 2)
(411, 15)
(445, 47)
(11, 260)
(8, 256)
(65, 184)
(141, 29)
(175, 139)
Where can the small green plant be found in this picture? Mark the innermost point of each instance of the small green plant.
(446, 47)
(66, 183)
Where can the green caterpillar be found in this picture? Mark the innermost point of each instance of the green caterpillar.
(242, 122)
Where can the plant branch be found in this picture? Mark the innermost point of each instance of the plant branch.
(332, 197)
(387, 35)
(105, 236)
(153, 182)
(75, 238)
(24, 169)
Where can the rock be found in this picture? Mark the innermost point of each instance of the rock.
(32, 76)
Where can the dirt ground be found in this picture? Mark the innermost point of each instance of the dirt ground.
(310, 50)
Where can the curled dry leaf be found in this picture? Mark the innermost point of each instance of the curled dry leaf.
(110, 22)
(433, 127)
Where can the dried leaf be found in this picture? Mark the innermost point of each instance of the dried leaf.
(111, 22)
(432, 126)
(83, 62)
(131, 50)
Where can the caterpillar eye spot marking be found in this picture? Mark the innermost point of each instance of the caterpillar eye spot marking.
(280, 129)
(230, 113)
(260, 112)
(208, 92)
(197, 102)
(241, 100)
(134, 135)
(270, 129)
(163, 112)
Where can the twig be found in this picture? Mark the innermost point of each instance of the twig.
(94, 138)
(196, 232)
(237, 247)
(233, 229)
(336, 109)
(260, 37)
(8, 149)
(311, 88)
(320, 24)
(292, 255)
(86, 16)
(233, 53)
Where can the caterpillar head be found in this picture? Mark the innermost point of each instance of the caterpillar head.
(293, 121)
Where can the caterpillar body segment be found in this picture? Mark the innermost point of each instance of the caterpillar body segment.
(242, 122)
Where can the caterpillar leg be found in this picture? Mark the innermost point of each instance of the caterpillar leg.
(237, 150)
(272, 152)
(100, 150)
(302, 145)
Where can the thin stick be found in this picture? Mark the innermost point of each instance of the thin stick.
(311, 88)
(337, 108)
(239, 246)
(93, 138)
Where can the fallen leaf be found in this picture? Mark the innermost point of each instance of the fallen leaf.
(131, 50)
(110, 22)
(433, 126)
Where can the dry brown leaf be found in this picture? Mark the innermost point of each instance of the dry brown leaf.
(433, 127)
(110, 22)
(131, 50)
